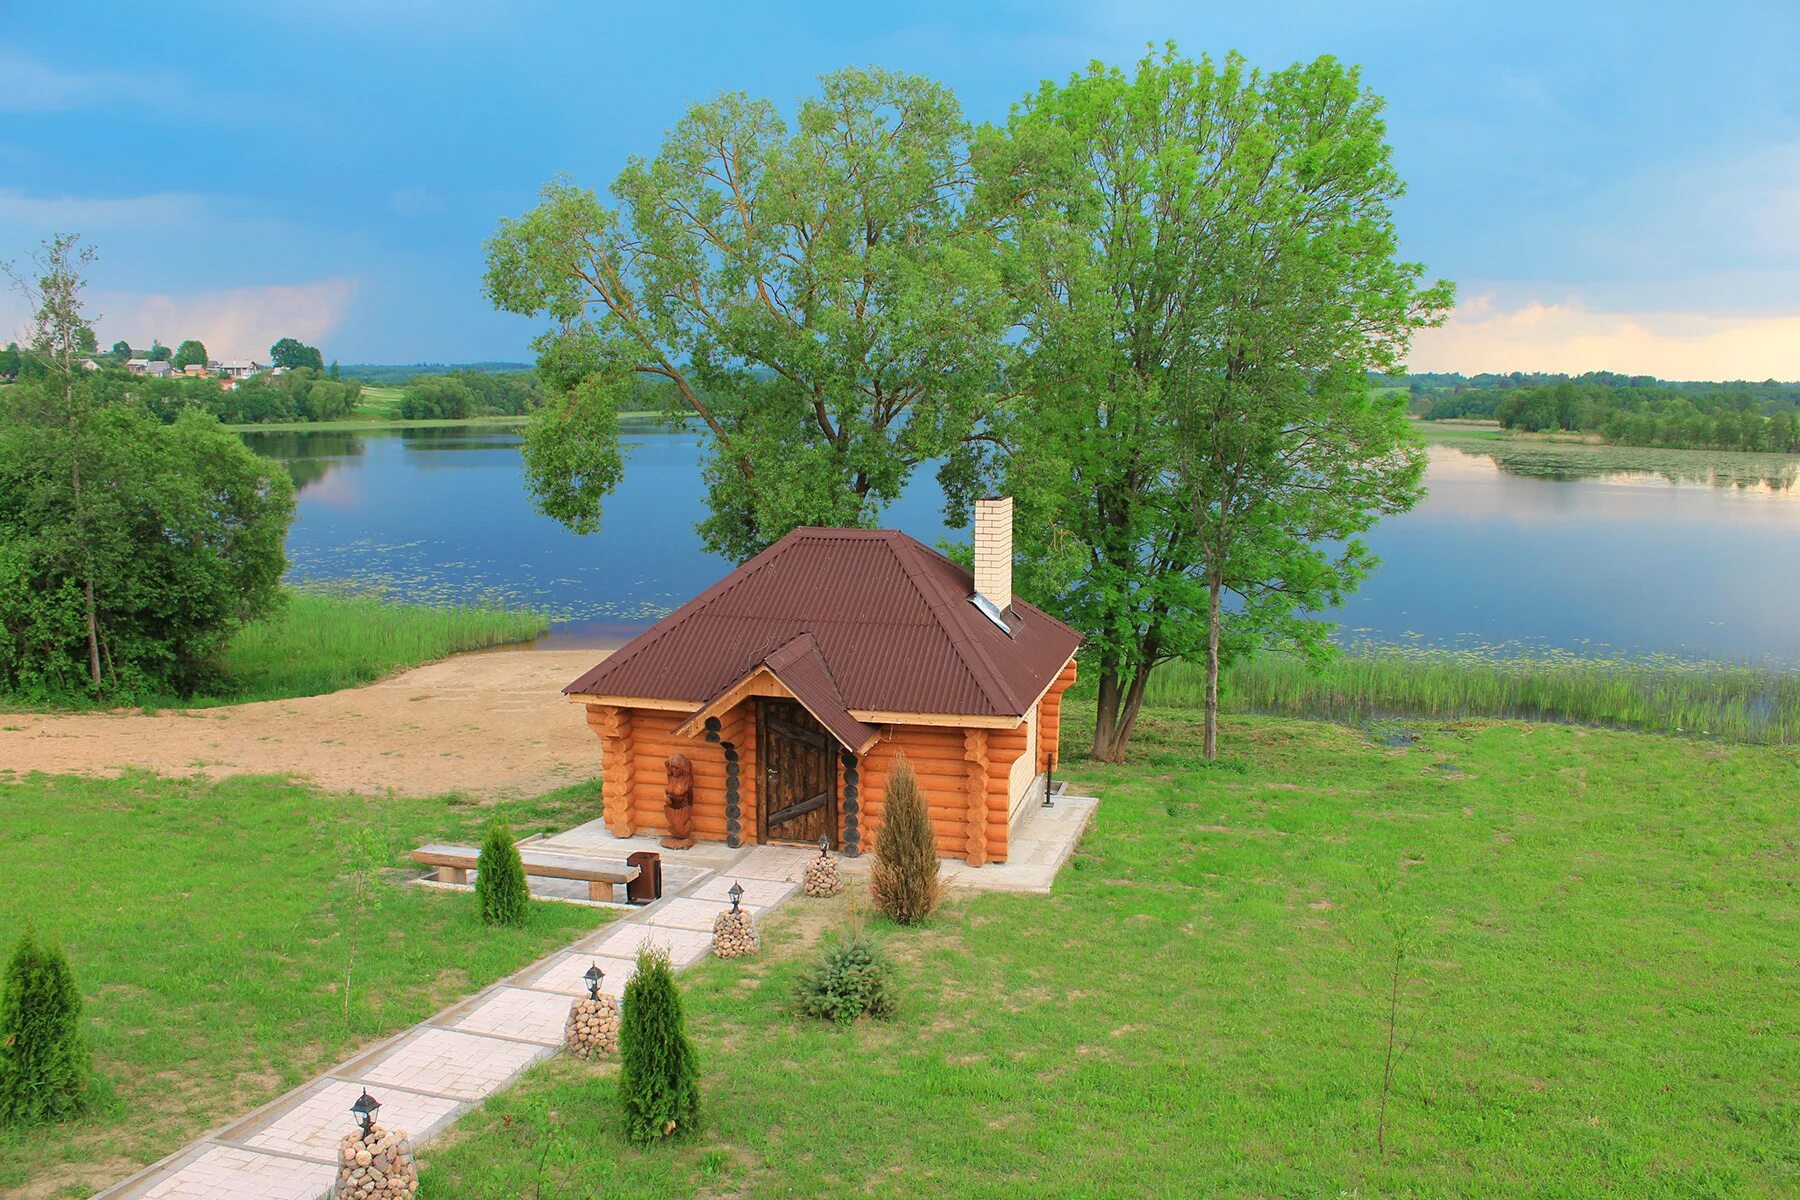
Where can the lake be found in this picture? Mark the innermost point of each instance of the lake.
(1585, 548)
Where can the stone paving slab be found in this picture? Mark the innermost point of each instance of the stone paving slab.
(443, 1062)
(518, 1013)
(785, 864)
(758, 893)
(683, 913)
(228, 1173)
(684, 945)
(565, 975)
(313, 1127)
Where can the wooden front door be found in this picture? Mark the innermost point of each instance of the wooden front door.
(797, 795)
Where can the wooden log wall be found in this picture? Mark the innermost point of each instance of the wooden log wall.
(613, 725)
(1050, 716)
(738, 730)
(964, 775)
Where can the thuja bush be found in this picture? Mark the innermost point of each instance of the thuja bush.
(904, 879)
(851, 978)
(43, 1056)
(500, 878)
(659, 1075)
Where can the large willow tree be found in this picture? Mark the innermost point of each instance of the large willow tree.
(1208, 267)
(814, 298)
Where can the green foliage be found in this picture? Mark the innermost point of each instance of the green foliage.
(10, 359)
(437, 398)
(158, 352)
(1634, 414)
(189, 354)
(820, 298)
(1207, 264)
(173, 545)
(43, 1053)
(659, 1072)
(851, 978)
(291, 352)
(500, 886)
(904, 880)
(120, 353)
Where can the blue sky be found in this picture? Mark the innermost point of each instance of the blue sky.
(1611, 185)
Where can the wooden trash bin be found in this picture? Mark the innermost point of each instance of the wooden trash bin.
(648, 885)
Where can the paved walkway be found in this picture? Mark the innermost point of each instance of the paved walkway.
(429, 1075)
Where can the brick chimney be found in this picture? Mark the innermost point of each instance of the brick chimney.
(994, 551)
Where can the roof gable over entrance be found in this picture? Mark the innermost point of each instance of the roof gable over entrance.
(891, 624)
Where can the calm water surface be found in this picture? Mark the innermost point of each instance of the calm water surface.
(1583, 548)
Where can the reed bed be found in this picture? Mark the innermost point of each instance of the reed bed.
(324, 640)
(1656, 694)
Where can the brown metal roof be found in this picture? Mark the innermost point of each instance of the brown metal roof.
(801, 666)
(891, 622)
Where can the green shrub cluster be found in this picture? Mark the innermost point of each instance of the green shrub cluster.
(43, 1056)
(659, 1073)
(138, 545)
(851, 978)
(904, 879)
(470, 394)
(500, 878)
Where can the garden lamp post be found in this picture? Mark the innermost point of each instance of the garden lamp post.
(594, 975)
(364, 1111)
(736, 893)
(824, 845)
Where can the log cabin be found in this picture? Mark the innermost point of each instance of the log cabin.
(794, 684)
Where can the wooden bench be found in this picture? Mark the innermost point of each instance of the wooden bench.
(454, 863)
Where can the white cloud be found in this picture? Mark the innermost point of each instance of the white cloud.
(27, 86)
(155, 210)
(1550, 335)
(234, 323)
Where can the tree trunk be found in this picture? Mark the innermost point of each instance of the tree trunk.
(1212, 669)
(1116, 715)
(1106, 714)
(87, 574)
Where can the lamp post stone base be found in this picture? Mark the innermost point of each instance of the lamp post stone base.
(377, 1165)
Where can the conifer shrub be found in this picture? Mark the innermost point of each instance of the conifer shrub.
(659, 1075)
(500, 878)
(43, 1056)
(904, 879)
(851, 978)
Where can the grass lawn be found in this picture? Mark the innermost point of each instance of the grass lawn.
(210, 927)
(1602, 1003)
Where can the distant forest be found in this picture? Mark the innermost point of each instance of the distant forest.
(1632, 410)
(401, 374)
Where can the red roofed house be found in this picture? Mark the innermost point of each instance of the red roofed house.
(793, 683)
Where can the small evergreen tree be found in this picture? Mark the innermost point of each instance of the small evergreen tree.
(904, 880)
(43, 1057)
(500, 878)
(659, 1075)
(851, 978)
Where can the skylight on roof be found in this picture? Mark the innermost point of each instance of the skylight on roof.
(986, 608)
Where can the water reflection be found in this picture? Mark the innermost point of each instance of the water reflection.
(1577, 547)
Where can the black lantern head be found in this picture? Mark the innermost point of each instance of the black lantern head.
(594, 975)
(824, 845)
(364, 1110)
(736, 893)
